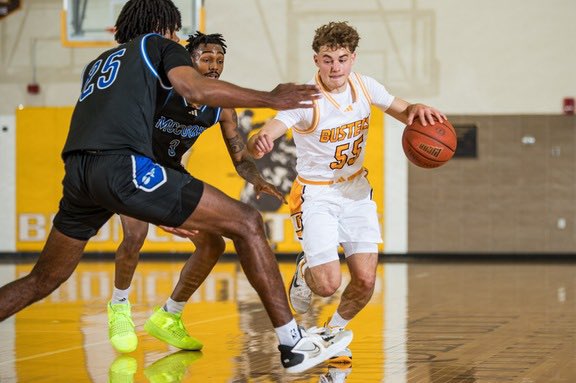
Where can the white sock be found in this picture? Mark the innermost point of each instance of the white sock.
(337, 321)
(289, 334)
(120, 296)
(174, 307)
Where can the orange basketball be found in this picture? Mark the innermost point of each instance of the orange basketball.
(429, 146)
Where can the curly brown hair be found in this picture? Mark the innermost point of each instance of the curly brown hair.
(336, 35)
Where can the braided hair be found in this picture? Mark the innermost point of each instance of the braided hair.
(139, 17)
(199, 38)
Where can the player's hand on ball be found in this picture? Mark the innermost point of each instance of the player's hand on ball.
(425, 113)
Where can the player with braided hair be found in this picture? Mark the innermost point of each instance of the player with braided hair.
(144, 16)
(110, 168)
(177, 127)
(199, 38)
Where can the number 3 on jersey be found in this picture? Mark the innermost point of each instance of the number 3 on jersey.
(107, 75)
(343, 158)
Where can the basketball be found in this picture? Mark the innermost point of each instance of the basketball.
(429, 146)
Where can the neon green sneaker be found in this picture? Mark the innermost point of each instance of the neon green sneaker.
(122, 370)
(171, 368)
(121, 328)
(169, 328)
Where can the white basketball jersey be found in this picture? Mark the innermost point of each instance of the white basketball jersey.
(331, 137)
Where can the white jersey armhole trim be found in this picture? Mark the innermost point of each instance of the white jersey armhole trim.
(147, 60)
(363, 87)
(314, 122)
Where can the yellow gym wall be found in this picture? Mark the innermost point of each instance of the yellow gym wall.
(40, 136)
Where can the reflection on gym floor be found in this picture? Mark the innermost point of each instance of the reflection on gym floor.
(427, 322)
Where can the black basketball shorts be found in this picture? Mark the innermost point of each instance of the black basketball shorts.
(97, 185)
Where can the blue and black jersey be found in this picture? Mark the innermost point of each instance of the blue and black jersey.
(123, 88)
(177, 127)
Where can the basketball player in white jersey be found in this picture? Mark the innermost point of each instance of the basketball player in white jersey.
(330, 201)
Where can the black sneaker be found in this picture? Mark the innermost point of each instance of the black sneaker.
(313, 349)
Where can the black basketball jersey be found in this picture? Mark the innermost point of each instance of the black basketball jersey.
(177, 127)
(121, 91)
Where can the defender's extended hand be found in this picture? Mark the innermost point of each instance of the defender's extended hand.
(293, 96)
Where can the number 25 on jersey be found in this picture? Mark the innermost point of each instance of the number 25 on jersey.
(106, 74)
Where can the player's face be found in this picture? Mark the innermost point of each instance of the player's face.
(334, 67)
(208, 59)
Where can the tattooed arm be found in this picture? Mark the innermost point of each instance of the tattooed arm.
(243, 162)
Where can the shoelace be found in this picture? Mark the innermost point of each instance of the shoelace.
(121, 322)
(176, 327)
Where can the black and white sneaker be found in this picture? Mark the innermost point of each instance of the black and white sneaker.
(299, 293)
(313, 349)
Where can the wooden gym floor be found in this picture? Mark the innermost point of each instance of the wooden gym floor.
(428, 321)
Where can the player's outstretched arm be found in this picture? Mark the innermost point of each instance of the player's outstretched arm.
(406, 112)
(243, 161)
(198, 89)
(263, 141)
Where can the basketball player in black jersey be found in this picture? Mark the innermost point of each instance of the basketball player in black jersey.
(177, 127)
(109, 169)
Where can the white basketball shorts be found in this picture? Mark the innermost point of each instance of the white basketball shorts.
(325, 216)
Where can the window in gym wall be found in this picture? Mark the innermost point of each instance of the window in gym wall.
(467, 143)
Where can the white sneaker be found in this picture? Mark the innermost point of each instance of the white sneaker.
(299, 292)
(340, 358)
(313, 349)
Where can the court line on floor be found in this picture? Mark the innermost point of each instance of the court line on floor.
(84, 346)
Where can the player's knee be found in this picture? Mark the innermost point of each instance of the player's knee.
(47, 281)
(328, 286)
(217, 244)
(133, 241)
(210, 243)
(252, 222)
(326, 290)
